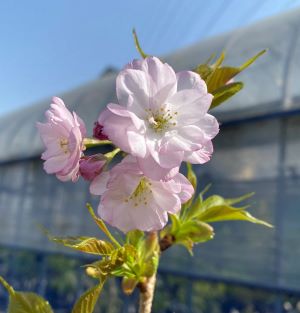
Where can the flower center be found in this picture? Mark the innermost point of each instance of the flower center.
(141, 193)
(64, 145)
(161, 120)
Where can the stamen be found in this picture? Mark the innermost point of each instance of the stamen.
(160, 120)
(64, 145)
(140, 194)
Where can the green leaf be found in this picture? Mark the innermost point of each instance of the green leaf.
(137, 45)
(25, 302)
(175, 226)
(218, 78)
(194, 209)
(85, 244)
(188, 244)
(197, 205)
(228, 213)
(221, 75)
(128, 285)
(225, 92)
(195, 230)
(216, 208)
(238, 199)
(149, 267)
(86, 303)
(252, 60)
(134, 237)
(102, 226)
(215, 200)
(220, 61)
(204, 71)
(191, 176)
(114, 264)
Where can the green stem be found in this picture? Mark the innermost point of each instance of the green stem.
(91, 142)
(112, 154)
(6, 285)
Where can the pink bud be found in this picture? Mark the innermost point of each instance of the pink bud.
(98, 132)
(91, 166)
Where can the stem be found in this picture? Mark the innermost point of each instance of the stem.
(112, 154)
(146, 295)
(147, 287)
(91, 142)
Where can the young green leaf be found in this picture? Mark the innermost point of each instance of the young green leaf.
(222, 75)
(225, 92)
(175, 223)
(86, 303)
(195, 230)
(194, 209)
(204, 70)
(218, 78)
(102, 226)
(219, 61)
(25, 302)
(115, 264)
(228, 213)
(216, 200)
(191, 176)
(134, 237)
(138, 46)
(128, 285)
(85, 244)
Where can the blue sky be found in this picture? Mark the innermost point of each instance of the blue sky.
(52, 46)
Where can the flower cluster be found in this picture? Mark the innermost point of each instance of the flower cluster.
(160, 121)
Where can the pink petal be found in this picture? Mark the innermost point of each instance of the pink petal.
(190, 80)
(99, 183)
(153, 170)
(55, 164)
(187, 189)
(137, 144)
(134, 84)
(200, 156)
(167, 201)
(209, 125)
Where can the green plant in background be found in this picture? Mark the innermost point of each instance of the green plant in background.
(135, 255)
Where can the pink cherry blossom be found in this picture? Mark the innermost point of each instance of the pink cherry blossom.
(91, 166)
(131, 200)
(62, 135)
(161, 117)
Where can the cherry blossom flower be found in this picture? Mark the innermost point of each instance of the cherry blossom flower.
(62, 135)
(131, 200)
(161, 117)
(91, 166)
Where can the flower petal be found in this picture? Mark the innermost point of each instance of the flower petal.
(99, 183)
(190, 80)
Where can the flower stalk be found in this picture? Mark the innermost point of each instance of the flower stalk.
(91, 142)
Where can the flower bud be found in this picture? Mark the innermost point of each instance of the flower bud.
(91, 166)
(98, 132)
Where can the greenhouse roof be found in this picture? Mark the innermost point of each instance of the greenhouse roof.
(271, 84)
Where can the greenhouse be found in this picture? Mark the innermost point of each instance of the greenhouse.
(258, 151)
